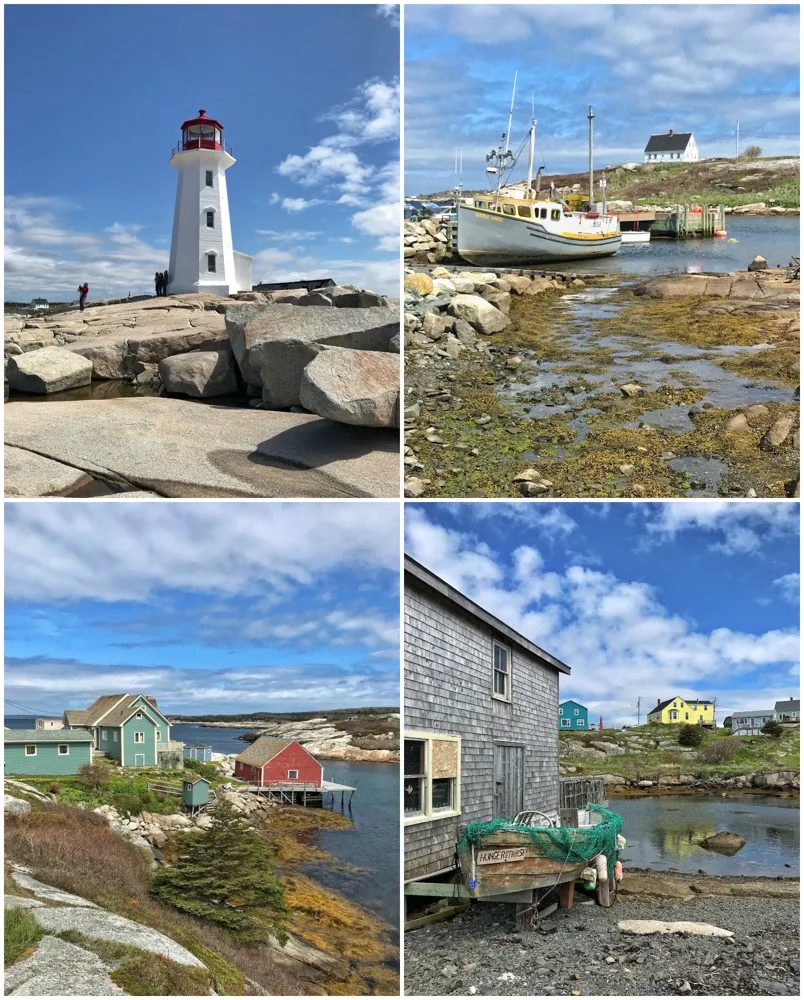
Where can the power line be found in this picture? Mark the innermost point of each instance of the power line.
(24, 708)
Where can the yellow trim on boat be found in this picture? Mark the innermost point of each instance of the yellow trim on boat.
(590, 236)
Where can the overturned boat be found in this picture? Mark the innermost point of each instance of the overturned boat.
(517, 227)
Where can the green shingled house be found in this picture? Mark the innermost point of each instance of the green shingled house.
(130, 729)
(36, 751)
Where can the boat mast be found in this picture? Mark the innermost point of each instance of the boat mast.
(531, 151)
(511, 113)
(591, 117)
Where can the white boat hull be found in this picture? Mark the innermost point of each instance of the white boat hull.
(637, 237)
(489, 238)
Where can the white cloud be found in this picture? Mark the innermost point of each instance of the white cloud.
(739, 527)
(789, 587)
(615, 634)
(130, 551)
(290, 235)
(299, 204)
(389, 11)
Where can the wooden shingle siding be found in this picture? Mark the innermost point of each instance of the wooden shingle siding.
(448, 689)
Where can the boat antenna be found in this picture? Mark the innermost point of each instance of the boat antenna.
(591, 117)
(511, 112)
(531, 151)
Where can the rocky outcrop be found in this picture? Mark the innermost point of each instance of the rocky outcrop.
(765, 287)
(425, 241)
(200, 374)
(353, 387)
(59, 968)
(30, 475)
(724, 842)
(178, 448)
(15, 806)
(50, 369)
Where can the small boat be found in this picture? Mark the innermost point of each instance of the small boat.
(636, 236)
(516, 227)
(507, 856)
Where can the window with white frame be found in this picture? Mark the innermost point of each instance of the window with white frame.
(139, 737)
(209, 179)
(581, 722)
(30, 750)
(577, 711)
(212, 263)
(114, 736)
(293, 774)
(502, 671)
(158, 735)
(566, 723)
(139, 715)
(210, 219)
(104, 734)
(64, 749)
(432, 776)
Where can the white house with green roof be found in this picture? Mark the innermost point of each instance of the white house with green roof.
(130, 729)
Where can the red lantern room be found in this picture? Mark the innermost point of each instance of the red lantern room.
(201, 133)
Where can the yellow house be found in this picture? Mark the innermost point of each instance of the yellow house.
(692, 711)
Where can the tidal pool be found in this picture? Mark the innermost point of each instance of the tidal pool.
(663, 833)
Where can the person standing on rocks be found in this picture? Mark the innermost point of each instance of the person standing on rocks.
(83, 291)
(164, 283)
(158, 282)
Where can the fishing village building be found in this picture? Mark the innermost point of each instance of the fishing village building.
(270, 761)
(787, 711)
(672, 147)
(749, 723)
(573, 716)
(46, 752)
(481, 703)
(128, 728)
(692, 711)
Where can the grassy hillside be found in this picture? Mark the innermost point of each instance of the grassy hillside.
(714, 182)
(652, 751)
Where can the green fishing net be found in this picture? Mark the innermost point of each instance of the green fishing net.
(568, 844)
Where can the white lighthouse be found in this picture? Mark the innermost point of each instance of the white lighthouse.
(202, 258)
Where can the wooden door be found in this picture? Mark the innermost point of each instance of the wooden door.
(509, 780)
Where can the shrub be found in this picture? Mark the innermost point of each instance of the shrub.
(147, 975)
(206, 769)
(719, 751)
(690, 736)
(21, 931)
(772, 729)
(54, 789)
(752, 152)
(228, 878)
(94, 777)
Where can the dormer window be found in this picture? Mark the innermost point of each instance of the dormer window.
(209, 179)
(212, 263)
(210, 219)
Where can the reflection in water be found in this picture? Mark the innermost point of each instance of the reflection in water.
(666, 832)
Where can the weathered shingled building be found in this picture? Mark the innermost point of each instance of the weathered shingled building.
(481, 703)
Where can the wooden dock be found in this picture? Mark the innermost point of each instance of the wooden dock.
(681, 222)
(302, 792)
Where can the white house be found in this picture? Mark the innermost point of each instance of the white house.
(787, 711)
(40, 304)
(750, 723)
(202, 258)
(672, 147)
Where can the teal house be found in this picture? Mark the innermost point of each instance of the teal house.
(573, 715)
(37, 751)
(128, 728)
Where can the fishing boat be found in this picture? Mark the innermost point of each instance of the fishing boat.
(511, 856)
(517, 227)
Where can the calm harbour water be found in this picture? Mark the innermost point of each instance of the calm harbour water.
(371, 845)
(663, 833)
(775, 239)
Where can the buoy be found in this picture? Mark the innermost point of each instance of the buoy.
(721, 233)
(601, 867)
(620, 842)
(618, 871)
(589, 876)
(732, 240)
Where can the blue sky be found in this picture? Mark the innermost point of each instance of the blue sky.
(644, 68)
(308, 97)
(210, 607)
(649, 599)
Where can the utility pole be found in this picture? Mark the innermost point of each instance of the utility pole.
(639, 710)
(714, 712)
(737, 143)
(591, 116)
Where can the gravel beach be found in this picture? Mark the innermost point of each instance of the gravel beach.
(583, 953)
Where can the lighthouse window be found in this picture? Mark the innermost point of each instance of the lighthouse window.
(211, 262)
(209, 178)
(210, 219)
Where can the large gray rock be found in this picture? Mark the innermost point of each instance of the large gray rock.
(50, 369)
(30, 475)
(353, 387)
(15, 806)
(105, 926)
(48, 892)
(200, 374)
(119, 355)
(179, 448)
(273, 344)
(480, 314)
(20, 902)
(57, 969)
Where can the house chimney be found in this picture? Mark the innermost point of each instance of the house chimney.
(151, 699)
(658, 702)
(670, 131)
